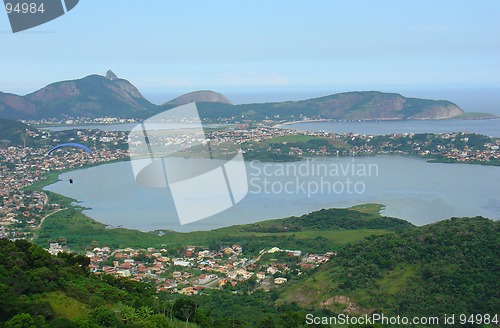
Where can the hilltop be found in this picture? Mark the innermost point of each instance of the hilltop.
(100, 96)
(203, 96)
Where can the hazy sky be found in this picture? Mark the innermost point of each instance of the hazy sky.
(237, 46)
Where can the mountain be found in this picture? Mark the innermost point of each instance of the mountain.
(14, 107)
(203, 96)
(91, 96)
(364, 105)
(98, 96)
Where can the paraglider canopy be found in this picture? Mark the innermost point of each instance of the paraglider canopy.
(71, 144)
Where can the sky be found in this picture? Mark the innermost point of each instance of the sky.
(266, 49)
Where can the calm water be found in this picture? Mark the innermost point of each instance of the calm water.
(490, 127)
(120, 126)
(104, 127)
(410, 188)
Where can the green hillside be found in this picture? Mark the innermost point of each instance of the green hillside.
(13, 133)
(452, 266)
(320, 231)
(449, 267)
(40, 290)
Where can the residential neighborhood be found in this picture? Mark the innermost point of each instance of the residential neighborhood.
(199, 268)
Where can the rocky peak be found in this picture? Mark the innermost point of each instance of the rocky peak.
(111, 76)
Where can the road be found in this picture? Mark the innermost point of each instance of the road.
(46, 216)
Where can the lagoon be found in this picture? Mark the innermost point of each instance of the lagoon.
(409, 187)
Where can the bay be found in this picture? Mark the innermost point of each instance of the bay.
(488, 127)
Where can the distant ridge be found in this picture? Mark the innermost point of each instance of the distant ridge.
(109, 95)
(357, 105)
(205, 96)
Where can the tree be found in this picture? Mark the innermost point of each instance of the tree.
(105, 317)
(267, 323)
(21, 320)
(62, 323)
(129, 314)
(202, 319)
(145, 311)
(155, 321)
(292, 319)
(184, 309)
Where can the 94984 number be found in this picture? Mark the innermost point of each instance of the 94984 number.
(24, 8)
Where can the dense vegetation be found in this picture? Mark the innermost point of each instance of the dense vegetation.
(40, 290)
(324, 219)
(452, 266)
(448, 267)
(29, 276)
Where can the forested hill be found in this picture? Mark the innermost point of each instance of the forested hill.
(330, 219)
(452, 266)
(40, 290)
(13, 132)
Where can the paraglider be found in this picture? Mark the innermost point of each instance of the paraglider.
(71, 144)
